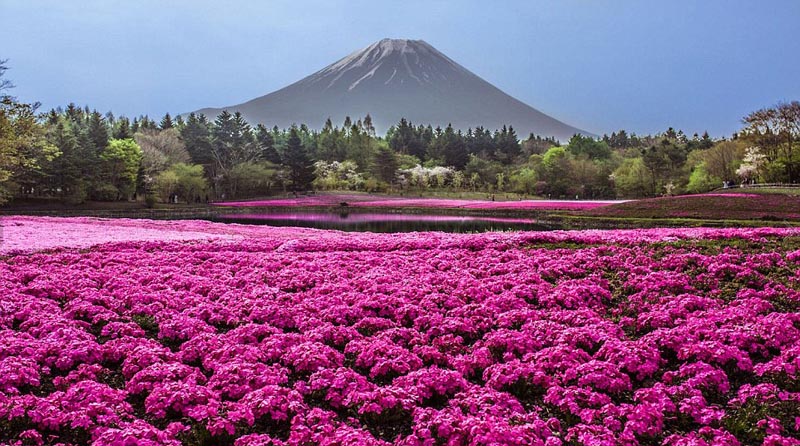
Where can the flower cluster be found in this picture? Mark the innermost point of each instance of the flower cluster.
(289, 337)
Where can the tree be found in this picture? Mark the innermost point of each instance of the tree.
(556, 171)
(122, 129)
(119, 167)
(23, 142)
(775, 130)
(406, 140)
(536, 145)
(593, 149)
(301, 167)
(524, 180)
(244, 147)
(97, 132)
(338, 175)
(655, 160)
(66, 171)
(5, 84)
(251, 178)
(632, 178)
(266, 145)
(701, 181)
(196, 135)
(223, 137)
(166, 122)
(454, 149)
(385, 164)
(752, 164)
(481, 171)
(722, 160)
(166, 184)
(507, 147)
(161, 149)
(190, 184)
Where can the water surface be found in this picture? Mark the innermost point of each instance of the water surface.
(384, 222)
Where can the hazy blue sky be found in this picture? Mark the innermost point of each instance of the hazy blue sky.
(598, 65)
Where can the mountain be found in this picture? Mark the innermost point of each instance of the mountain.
(395, 78)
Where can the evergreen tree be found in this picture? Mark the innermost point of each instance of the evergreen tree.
(330, 146)
(196, 134)
(97, 131)
(223, 138)
(119, 166)
(369, 128)
(123, 129)
(435, 148)
(406, 139)
(454, 149)
(243, 147)
(301, 167)
(580, 145)
(65, 170)
(166, 122)
(266, 145)
(385, 164)
(506, 144)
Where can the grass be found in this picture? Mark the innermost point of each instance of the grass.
(792, 191)
(741, 205)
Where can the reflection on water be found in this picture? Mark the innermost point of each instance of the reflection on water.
(384, 222)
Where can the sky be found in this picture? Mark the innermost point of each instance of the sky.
(599, 65)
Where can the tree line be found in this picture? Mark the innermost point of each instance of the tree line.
(77, 154)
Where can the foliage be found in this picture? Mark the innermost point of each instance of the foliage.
(250, 179)
(623, 165)
(24, 147)
(337, 175)
(161, 149)
(701, 180)
(385, 165)
(632, 178)
(297, 160)
(119, 166)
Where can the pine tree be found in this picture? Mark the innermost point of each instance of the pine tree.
(266, 145)
(507, 147)
(66, 169)
(301, 168)
(454, 149)
(223, 136)
(196, 134)
(166, 122)
(244, 148)
(384, 164)
(97, 132)
(123, 129)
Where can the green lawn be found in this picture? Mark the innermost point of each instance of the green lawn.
(738, 205)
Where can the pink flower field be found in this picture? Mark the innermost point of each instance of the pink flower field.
(219, 334)
(375, 201)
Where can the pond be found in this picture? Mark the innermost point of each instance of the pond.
(384, 222)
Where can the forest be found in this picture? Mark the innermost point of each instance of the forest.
(76, 154)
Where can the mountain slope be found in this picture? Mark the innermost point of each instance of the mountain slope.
(396, 78)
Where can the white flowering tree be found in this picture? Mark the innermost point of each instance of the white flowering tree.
(751, 165)
(425, 177)
(338, 175)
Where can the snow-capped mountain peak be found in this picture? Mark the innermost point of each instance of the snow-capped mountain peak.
(387, 61)
(398, 78)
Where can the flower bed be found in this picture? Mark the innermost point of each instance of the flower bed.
(376, 201)
(718, 206)
(293, 337)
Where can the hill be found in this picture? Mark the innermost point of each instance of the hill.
(392, 79)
